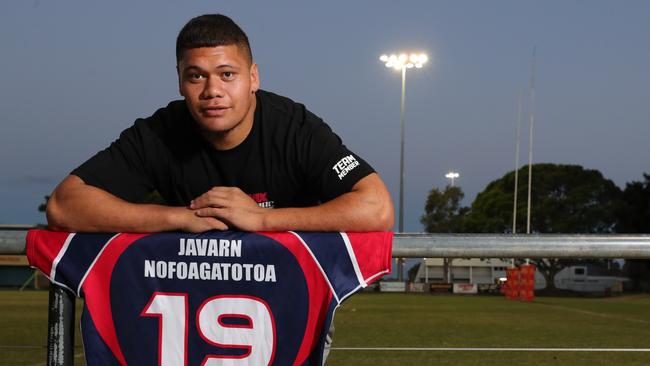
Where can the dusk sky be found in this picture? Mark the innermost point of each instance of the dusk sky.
(73, 74)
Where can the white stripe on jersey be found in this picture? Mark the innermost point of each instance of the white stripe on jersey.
(353, 258)
(56, 260)
(336, 297)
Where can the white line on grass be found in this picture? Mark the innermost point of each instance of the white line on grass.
(594, 313)
(479, 349)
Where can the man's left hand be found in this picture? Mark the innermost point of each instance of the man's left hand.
(232, 206)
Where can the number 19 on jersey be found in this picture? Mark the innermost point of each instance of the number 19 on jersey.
(224, 321)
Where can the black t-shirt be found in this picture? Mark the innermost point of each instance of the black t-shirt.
(291, 158)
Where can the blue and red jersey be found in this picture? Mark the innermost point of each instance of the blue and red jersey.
(217, 298)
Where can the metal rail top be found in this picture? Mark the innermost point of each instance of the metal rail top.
(521, 246)
(414, 245)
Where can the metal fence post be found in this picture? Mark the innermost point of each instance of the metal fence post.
(60, 327)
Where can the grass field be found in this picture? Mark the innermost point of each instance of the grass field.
(405, 320)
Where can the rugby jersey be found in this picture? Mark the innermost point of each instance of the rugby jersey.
(216, 298)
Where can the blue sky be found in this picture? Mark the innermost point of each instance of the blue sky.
(73, 74)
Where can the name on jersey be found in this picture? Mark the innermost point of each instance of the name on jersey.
(210, 247)
(345, 165)
(209, 271)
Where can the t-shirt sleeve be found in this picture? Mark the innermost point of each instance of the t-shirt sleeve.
(327, 163)
(121, 169)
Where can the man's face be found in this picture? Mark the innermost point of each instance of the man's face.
(218, 84)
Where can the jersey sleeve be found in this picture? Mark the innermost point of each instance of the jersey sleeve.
(65, 257)
(350, 261)
(326, 162)
(121, 169)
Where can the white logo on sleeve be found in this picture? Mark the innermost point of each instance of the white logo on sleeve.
(345, 165)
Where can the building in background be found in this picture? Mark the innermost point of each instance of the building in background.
(588, 277)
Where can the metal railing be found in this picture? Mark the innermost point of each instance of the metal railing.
(415, 245)
(405, 245)
(408, 245)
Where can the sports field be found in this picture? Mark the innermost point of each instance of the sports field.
(421, 321)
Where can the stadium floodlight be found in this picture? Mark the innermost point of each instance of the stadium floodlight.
(452, 176)
(402, 62)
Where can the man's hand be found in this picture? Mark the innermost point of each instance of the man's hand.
(367, 207)
(187, 220)
(232, 206)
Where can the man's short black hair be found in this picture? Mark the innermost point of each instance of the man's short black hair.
(211, 30)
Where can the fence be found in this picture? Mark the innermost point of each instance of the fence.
(405, 245)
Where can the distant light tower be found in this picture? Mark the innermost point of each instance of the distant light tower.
(401, 63)
(452, 176)
(530, 139)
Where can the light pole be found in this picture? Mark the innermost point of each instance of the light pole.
(530, 139)
(452, 176)
(401, 63)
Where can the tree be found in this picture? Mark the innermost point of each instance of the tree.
(565, 199)
(443, 214)
(634, 217)
(442, 211)
(43, 206)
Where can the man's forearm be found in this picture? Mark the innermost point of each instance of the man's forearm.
(367, 207)
(76, 206)
(335, 215)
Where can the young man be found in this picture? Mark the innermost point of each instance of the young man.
(223, 157)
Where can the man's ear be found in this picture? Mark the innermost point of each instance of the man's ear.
(255, 78)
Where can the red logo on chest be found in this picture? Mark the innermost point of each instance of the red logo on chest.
(259, 197)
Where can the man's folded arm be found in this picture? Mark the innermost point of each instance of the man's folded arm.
(367, 207)
(78, 207)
